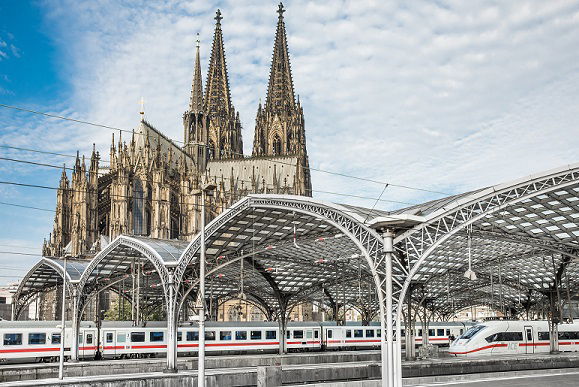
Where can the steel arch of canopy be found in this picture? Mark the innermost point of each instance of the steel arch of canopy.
(270, 220)
(46, 274)
(115, 259)
(533, 216)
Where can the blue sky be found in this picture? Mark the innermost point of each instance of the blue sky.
(449, 96)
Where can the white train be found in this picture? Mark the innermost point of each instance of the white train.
(40, 340)
(513, 337)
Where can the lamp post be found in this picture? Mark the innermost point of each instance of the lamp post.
(61, 365)
(201, 355)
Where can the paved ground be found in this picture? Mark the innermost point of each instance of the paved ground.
(547, 378)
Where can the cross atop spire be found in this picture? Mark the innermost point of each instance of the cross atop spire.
(280, 91)
(218, 16)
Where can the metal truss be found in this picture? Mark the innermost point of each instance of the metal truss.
(533, 218)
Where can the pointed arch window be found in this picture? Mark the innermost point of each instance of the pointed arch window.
(138, 207)
(277, 145)
(211, 150)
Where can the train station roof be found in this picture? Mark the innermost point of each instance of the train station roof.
(520, 240)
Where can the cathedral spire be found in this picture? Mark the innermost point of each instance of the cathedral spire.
(280, 91)
(217, 94)
(196, 101)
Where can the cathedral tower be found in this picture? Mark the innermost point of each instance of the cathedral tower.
(195, 121)
(279, 128)
(224, 135)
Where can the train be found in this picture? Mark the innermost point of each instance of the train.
(514, 337)
(28, 341)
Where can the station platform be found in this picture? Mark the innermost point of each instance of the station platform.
(343, 373)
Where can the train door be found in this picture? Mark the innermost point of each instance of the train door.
(88, 348)
(109, 343)
(529, 340)
(309, 338)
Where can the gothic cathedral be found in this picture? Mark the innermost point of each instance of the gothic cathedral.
(149, 187)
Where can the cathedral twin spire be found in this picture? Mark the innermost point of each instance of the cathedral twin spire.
(212, 123)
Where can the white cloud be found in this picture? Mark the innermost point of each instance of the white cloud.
(448, 96)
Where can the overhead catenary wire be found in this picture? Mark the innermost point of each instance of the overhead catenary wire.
(214, 177)
(50, 115)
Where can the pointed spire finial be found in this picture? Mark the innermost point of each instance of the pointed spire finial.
(142, 108)
(218, 16)
(196, 100)
(280, 10)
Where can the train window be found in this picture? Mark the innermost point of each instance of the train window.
(529, 335)
(448, 332)
(440, 332)
(544, 335)
(369, 332)
(209, 335)
(89, 338)
(419, 333)
(308, 334)
(348, 333)
(298, 334)
(505, 336)
(241, 335)
(271, 335)
(288, 334)
(402, 332)
(55, 339)
(192, 336)
(121, 338)
(431, 332)
(136, 337)
(109, 337)
(378, 332)
(358, 333)
(12, 338)
(316, 334)
(473, 331)
(155, 336)
(255, 335)
(179, 336)
(568, 335)
(330, 333)
(37, 338)
(80, 338)
(225, 335)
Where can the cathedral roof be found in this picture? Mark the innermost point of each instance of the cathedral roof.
(158, 139)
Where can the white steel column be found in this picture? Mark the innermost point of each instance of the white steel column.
(387, 326)
(62, 322)
(201, 356)
(171, 328)
(75, 326)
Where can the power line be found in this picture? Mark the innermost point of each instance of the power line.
(24, 206)
(18, 253)
(217, 177)
(235, 153)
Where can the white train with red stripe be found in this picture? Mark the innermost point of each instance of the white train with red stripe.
(40, 340)
(514, 337)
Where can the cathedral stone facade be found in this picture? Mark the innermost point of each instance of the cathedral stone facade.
(150, 186)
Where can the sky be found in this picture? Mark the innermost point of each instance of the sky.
(445, 96)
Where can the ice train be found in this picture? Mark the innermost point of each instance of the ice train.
(514, 337)
(27, 341)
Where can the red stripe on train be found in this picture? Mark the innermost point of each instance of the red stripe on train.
(478, 349)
